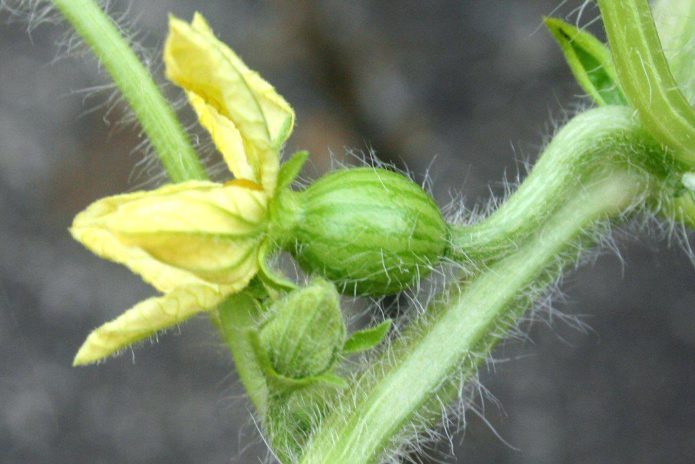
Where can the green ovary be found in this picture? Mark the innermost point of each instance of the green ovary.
(371, 231)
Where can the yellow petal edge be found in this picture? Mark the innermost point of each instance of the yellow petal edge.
(227, 95)
(197, 242)
(145, 319)
(193, 233)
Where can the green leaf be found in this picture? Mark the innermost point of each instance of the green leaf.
(590, 62)
(366, 339)
(290, 169)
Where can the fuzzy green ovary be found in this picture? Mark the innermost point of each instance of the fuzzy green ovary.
(369, 230)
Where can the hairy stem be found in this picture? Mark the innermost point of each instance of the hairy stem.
(237, 315)
(406, 385)
(573, 156)
(156, 116)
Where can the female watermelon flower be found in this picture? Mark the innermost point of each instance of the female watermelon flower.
(197, 242)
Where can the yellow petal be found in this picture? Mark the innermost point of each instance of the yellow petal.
(226, 137)
(198, 233)
(147, 318)
(227, 89)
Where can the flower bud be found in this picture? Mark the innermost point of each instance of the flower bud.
(305, 332)
(369, 230)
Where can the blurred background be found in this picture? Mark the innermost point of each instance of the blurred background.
(464, 91)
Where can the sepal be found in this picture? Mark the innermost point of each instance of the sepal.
(366, 339)
(681, 207)
(590, 62)
(290, 169)
(270, 276)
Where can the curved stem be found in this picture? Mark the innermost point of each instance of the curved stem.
(157, 118)
(590, 141)
(406, 386)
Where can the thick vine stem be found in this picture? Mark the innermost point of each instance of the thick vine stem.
(154, 113)
(586, 144)
(594, 170)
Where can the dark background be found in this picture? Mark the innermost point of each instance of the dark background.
(464, 89)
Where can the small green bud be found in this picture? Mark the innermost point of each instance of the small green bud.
(305, 332)
(369, 230)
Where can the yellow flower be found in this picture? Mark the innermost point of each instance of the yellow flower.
(196, 242)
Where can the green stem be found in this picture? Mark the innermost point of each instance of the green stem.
(645, 76)
(237, 315)
(594, 137)
(156, 116)
(406, 385)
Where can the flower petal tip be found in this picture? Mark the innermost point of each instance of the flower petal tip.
(89, 353)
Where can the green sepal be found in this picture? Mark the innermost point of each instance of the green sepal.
(590, 62)
(329, 379)
(679, 205)
(290, 169)
(279, 384)
(368, 338)
(270, 277)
